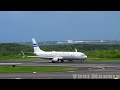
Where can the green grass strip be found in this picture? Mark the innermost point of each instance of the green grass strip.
(32, 69)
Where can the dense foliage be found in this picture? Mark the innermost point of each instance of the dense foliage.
(91, 50)
(7, 49)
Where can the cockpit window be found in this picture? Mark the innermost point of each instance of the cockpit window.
(83, 55)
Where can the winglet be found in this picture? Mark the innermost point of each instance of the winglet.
(23, 54)
(75, 50)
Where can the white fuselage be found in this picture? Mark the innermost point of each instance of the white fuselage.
(62, 55)
(57, 56)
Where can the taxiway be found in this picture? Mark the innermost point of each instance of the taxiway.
(86, 70)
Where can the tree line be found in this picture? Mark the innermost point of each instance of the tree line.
(91, 50)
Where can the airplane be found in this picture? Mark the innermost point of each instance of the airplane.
(57, 56)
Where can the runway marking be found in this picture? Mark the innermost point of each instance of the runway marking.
(16, 78)
(98, 68)
(10, 63)
(116, 78)
(101, 67)
(70, 71)
(34, 72)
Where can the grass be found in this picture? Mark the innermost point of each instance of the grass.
(104, 59)
(29, 58)
(18, 58)
(33, 69)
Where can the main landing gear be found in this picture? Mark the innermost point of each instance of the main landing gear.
(82, 61)
(57, 61)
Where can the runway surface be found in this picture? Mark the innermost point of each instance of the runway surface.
(86, 70)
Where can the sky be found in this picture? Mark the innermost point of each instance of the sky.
(21, 26)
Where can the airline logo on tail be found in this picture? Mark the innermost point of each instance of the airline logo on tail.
(35, 45)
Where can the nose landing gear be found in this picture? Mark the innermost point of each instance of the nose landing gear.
(82, 61)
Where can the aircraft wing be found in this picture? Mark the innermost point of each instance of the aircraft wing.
(39, 56)
(34, 56)
(53, 58)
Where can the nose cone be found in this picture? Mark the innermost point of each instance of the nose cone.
(85, 57)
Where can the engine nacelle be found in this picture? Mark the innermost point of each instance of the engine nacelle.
(55, 59)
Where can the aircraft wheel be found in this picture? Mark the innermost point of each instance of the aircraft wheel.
(53, 61)
(81, 61)
(62, 60)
